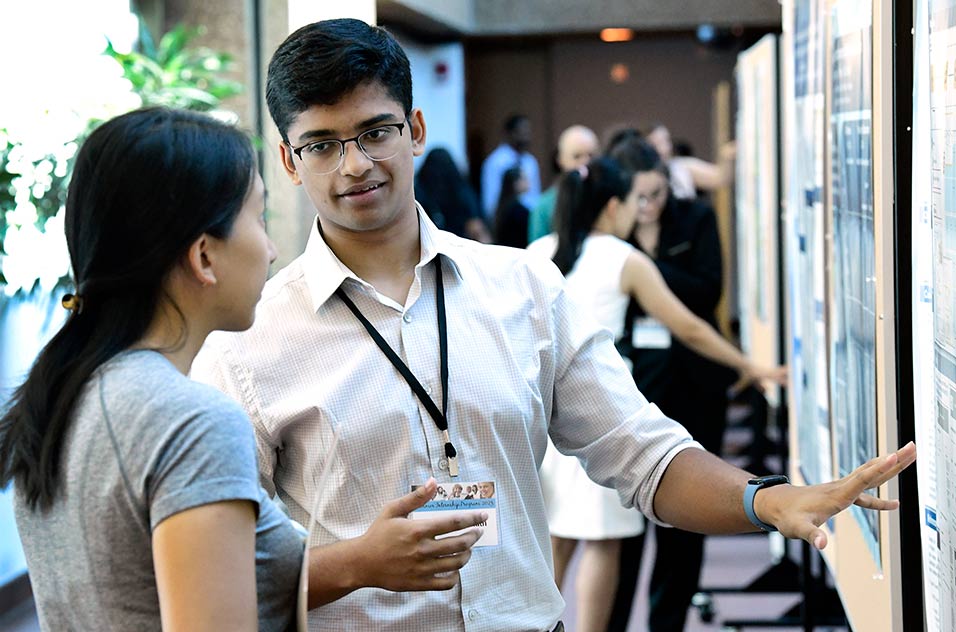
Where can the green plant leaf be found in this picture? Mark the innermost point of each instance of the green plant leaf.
(173, 42)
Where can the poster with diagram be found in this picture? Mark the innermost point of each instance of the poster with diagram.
(757, 205)
(853, 264)
(804, 250)
(934, 302)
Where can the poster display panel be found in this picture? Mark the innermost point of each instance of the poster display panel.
(934, 302)
(757, 204)
(853, 315)
(804, 228)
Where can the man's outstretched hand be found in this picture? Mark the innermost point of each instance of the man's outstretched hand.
(798, 512)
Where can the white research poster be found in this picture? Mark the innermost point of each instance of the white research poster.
(934, 301)
(804, 241)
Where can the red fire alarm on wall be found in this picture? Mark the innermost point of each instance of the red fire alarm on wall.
(441, 71)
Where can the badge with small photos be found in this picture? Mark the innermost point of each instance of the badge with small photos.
(452, 499)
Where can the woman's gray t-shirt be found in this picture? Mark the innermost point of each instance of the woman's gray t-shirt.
(146, 442)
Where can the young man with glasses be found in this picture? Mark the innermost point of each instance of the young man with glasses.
(430, 356)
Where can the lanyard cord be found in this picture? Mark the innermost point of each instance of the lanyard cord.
(439, 416)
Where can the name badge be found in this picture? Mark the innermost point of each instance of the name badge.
(649, 333)
(453, 499)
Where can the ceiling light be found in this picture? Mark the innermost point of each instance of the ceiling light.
(617, 35)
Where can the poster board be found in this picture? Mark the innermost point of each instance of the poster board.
(804, 72)
(861, 291)
(934, 299)
(847, 343)
(757, 205)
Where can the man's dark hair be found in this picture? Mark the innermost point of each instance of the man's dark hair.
(322, 62)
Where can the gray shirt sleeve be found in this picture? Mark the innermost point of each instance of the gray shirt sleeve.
(210, 459)
(202, 452)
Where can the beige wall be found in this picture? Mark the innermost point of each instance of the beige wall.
(510, 17)
(565, 81)
(227, 30)
(545, 16)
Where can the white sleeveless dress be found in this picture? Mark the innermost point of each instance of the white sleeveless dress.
(577, 507)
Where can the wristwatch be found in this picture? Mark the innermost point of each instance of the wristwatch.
(753, 486)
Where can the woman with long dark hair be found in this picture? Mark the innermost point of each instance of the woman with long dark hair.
(447, 197)
(511, 216)
(137, 494)
(595, 211)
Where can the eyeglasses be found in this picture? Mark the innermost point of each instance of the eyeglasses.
(656, 196)
(325, 156)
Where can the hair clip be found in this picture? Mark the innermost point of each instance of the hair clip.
(72, 302)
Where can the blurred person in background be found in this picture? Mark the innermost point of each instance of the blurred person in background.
(680, 235)
(595, 212)
(447, 197)
(512, 152)
(511, 215)
(688, 175)
(577, 145)
(618, 134)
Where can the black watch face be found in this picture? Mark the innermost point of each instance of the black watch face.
(769, 481)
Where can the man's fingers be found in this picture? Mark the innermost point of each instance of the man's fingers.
(441, 582)
(401, 507)
(438, 526)
(868, 501)
(907, 454)
(449, 563)
(813, 534)
(454, 544)
(818, 539)
(877, 471)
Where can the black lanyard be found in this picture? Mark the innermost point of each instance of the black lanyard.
(439, 416)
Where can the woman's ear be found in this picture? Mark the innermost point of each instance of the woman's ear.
(611, 208)
(200, 259)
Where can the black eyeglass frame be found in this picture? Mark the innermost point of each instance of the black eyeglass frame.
(343, 142)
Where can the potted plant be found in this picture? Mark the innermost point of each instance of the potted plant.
(36, 162)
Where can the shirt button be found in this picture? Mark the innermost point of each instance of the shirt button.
(407, 318)
(443, 464)
(472, 614)
(428, 389)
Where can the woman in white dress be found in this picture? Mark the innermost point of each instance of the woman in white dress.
(595, 211)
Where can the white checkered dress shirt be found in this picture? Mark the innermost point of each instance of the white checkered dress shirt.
(523, 364)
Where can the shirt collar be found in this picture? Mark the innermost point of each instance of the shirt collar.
(324, 272)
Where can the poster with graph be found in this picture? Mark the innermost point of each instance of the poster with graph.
(757, 204)
(804, 251)
(853, 262)
(839, 245)
(934, 303)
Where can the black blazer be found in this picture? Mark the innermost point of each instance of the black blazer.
(689, 259)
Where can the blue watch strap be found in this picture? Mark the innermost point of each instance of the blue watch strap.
(749, 492)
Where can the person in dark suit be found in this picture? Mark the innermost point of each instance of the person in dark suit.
(680, 235)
